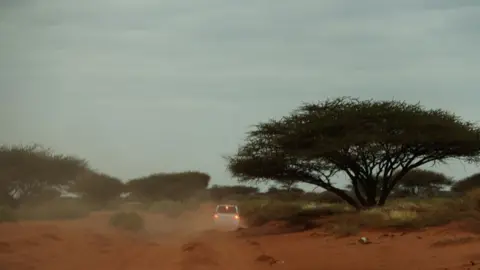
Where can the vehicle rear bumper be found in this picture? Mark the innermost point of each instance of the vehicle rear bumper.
(227, 223)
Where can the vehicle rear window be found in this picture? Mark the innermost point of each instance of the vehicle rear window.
(226, 210)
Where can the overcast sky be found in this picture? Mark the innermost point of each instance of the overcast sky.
(144, 86)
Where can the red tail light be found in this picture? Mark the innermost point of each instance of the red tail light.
(236, 217)
(215, 216)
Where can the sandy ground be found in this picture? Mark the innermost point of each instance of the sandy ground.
(188, 243)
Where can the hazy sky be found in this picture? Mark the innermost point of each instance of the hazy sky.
(143, 86)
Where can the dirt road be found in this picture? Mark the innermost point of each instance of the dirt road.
(188, 244)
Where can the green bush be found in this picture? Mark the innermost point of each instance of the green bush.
(130, 221)
(53, 210)
(7, 214)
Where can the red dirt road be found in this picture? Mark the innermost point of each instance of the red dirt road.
(187, 244)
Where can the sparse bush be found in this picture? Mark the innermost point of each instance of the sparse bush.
(398, 214)
(405, 214)
(130, 221)
(7, 214)
(53, 210)
(474, 197)
(261, 212)
(308, 217)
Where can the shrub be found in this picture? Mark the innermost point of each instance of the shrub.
(467, 184)
(130, 221)
(7, 214)
(474, 198)
(260, 212)
(403, 214)
(53, 210)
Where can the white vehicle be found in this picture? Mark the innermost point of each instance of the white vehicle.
(227, 216)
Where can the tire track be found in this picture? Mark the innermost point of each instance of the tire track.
(215, 251)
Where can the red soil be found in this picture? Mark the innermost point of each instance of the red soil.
(188, 244)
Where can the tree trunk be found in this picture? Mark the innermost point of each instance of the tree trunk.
(342, 194)
(383, 197)
(393, 182)
(371, 192)
(357, 192)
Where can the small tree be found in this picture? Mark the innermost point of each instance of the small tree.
(168, 186)
(29, 173)
(219, 193)
(368, 141)
(467, 184)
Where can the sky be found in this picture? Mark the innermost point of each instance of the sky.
(145, 86)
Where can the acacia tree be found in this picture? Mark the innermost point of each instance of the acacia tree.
(29, 172)
(219, 193)
(171, 186)
(98, 187)
(467, 184)
(366, 140)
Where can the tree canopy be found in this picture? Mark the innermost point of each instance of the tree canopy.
(98, 187)
(32, 171)
(171, 186)
(467, 184)
(373, 143)
(219, 193)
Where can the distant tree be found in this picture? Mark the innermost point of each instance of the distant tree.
(282, 193)
(467, 184)
(171, 186)
(219, 193)
(276, 190)
(98, 187)
(366, 140)
(424, 183)
(295, 189)
(31, 173)
(289, 185)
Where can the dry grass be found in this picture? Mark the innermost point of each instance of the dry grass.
(405, 214)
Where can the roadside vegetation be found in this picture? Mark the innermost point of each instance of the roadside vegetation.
(385, 150)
